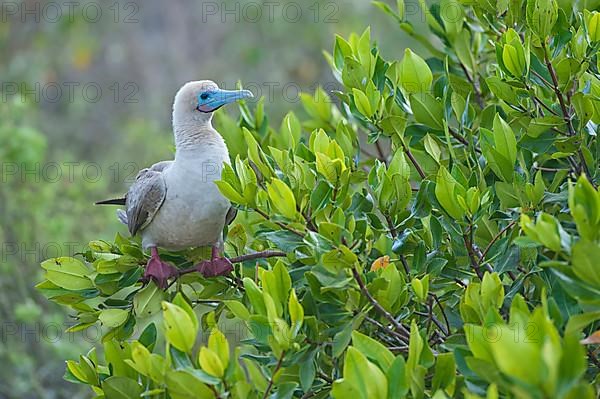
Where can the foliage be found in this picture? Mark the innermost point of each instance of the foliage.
(439, 223)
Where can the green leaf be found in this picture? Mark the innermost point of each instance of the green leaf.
(68, 273)
(230, 193)
(415, 75)
(365, 377)
(282, 198)
(445, 192)
(432, 148)
(296, 312)
(585, 262)
(180, 330)
(113, 317)
(374, 350)
(445, 372)
(362, 103)
(210, 362)
(183, 385)
(427, 110)
(121, 388)
(219, 345)
(541, 16)
(147, 301)
(396, 376)
(238, 309)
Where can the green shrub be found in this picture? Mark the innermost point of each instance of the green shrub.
(432, 230)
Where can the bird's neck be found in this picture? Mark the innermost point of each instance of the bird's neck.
(194, 136)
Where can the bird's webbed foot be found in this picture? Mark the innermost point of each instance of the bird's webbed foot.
(215, 267)
(158, 270)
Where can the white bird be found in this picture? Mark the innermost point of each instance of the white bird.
(176, 204)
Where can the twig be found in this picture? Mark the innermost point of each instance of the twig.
(380, 151)
(277, 367)
(400, 337)
(566, 114)
(434, 319)
(475, 84)
(540, 77)
(472, 257)
(593, 358)
(496, 237)
(397, 325)
(437, 301)
(405, 265)
(414, 161)
(325, 377)
(280, 224)
(258, 255)
(460, 138)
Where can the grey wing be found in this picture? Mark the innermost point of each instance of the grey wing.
(160, 166)
(144, 199)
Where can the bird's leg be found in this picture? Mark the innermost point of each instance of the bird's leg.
(158, 270)
(216, 266)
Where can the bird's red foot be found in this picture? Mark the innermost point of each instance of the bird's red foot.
(215, 267)
(158, 270)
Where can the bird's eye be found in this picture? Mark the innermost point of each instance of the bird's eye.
(204, 96)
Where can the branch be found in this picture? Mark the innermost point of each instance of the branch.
(460, 138)
(566, 114)
(383, 328)
(257, 255)
(437, 301)
(280, 224)
(472, 257)
(277, 367)
(496, 237)
(414, 161)
(475, 83)
(397, 325)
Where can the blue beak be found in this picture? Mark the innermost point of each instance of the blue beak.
(219, 97)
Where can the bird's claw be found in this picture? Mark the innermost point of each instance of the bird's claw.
(159, 271)
(215, 267)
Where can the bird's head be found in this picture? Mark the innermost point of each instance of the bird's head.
(201, 98)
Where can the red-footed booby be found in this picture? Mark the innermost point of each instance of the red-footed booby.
(175, 204)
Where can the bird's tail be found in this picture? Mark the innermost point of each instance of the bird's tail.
(114, 201)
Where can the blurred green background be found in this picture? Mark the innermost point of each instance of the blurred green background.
(86, 93)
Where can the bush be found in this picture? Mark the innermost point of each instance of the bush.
(435, 231)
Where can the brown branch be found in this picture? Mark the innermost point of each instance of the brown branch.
(397, 325)
(433, 319)
(566, 114)
(463, 140)
(414, 161)
(280, 224)
(380, 151)
(496, 238)
(397, 335)
(437, 301)
(257, 255)
(474, 82)
(540, 77)
(472, 257)
(277, 367)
